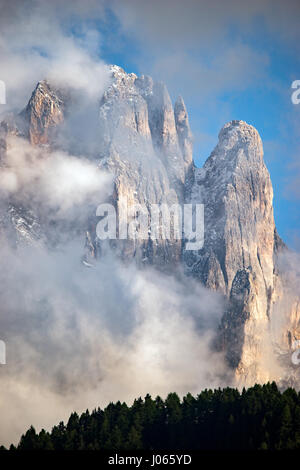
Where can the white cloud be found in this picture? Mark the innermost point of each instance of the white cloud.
(79, 338)
(36, 42)
(53, 179)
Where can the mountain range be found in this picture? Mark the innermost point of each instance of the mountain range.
(136, 134)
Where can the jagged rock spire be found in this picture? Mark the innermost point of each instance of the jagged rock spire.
(183, 130)
(45, 110)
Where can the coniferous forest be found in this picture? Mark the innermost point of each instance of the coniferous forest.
(259, 418)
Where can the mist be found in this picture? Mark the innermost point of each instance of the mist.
(79, 337)
(37, 41)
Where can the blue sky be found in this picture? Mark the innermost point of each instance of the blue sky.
(260, 95)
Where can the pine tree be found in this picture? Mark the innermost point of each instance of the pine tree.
(284, 440)
(30, 440)
(134, 440)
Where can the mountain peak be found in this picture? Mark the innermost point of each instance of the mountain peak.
(237, 129)
(183, 130)
(179, 103)
(44, 111)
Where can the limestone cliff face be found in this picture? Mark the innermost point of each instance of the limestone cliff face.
(147, 153)
(44, 112)
(240, 249)
(185, 137)
(285, 319)
(235, 187)
(137, 118)
(139, 143)
(147, 145)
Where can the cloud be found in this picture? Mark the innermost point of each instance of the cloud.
(39, 40)
(52, 179)
(79, 338)
(195, 23)
(286, 313)
(203, 49)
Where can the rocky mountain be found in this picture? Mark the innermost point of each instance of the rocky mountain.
(146, 143)
(240, 243)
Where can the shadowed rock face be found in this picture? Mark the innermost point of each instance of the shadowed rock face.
(147, 145)
(185, 137)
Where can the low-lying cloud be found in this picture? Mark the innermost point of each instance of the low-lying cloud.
(79, 337)
(53, 179)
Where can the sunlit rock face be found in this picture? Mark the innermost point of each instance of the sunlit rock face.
(147, 145)
(240, 254)
(45, 110)
(146, 151)
(237, 257)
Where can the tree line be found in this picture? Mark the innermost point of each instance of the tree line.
(261, 417)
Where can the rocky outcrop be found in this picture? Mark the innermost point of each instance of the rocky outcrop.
(185, 137)
(19, 225)
(43, 113)
(235, 188)
(240, 248)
